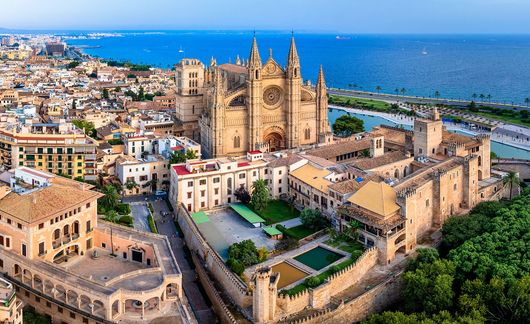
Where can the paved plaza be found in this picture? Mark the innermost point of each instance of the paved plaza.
(235, 228)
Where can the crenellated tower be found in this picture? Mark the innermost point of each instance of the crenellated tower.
(254, 94)
(294, 85)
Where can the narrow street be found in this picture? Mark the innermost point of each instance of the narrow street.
(198, 301)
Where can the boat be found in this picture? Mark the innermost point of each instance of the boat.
(424, 52)
(342, 37)
(181, 50)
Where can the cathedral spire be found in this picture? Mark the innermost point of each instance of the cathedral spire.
(321, 83)
(254, 60)
(293, 61)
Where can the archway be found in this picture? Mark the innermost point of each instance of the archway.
(60, 293)
(274, 138)
(115, 308)
(27, 277)
(48, 287)
(396, 174)
(85, 304)
(171, 291)
(72, 298)
(275, 141)
(406, 171)
(38, 284)
(98, 308)
(480, 174)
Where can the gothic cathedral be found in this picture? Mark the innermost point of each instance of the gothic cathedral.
(255, 106)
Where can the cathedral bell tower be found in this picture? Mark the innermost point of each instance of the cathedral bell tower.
(254, 95)
(323, 130)
(218, 115)
(294, 85)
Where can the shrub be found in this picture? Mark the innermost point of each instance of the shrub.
(312, 282)
(334, 269)
(236, 266)
(126, 220)
(287, 243)
(152, 225)
(123, 209)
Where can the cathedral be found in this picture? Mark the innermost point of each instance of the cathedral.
(253, 105)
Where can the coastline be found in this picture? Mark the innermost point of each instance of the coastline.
(409, 121)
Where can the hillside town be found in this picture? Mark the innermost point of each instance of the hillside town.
(212, 192)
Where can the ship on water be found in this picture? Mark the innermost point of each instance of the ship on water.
(338, 37)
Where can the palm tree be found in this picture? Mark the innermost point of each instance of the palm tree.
(131, 184)
(481, 96)
(396, 90)
(403, 90)
(378, 88)
(437, 94)
(474, 96)
(488, 97)
(113, 217)
(110, 198)
(527, 101)
(512, 179)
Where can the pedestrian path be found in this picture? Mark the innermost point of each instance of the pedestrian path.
(291, 222)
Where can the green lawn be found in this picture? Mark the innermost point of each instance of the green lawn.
(346, 246)
(505, 118)
(298, 232)
(277, 211)
(360, 103)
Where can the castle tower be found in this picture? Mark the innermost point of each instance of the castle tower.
(377, 146)
(264, 296)
(427, 135)
(323, 130)
(294, 85)
(255, 89)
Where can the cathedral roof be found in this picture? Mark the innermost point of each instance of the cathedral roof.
(254, 59)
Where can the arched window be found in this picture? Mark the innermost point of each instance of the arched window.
(307, 133)
(257, 74)
(479, 160)
(427, 203)
(237, 142)
(396, 174)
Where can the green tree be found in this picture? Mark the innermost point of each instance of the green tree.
(472, 106)
(313, 219)
(352, 230)
(191, 155)
(73, 64)
(347, 125)
(378, 89)
(86, 126)
(511, 179)
(524, 114)
(111, 197)
(437, 94)
(430, 287)
(177, 157)
(396, 90)
(131, 184)
(260, 195)
(105, 93)
(403, 91)
(141, 94)
(244, 253)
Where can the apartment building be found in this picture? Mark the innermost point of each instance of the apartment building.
(58, 148)
(144, 175)
(10, 305)
(139, 145)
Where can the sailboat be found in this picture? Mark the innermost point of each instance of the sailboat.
(424, 52)
(181, 50)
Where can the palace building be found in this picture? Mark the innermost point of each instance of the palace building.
(63, 261)
(253, 106)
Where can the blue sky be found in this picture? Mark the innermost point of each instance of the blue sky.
(345, 16)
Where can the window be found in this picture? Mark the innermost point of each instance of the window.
(237, 142)
(190, 183)
(189, 195)
(189, 207)
(216, 180)
(41, 248)
(60, 309)
(253, 173)
(216, 191)
(307, 133)
(202, 182)
(427, 203)
(241, 176)
(24, 252)
(203, 193)
(88, 226)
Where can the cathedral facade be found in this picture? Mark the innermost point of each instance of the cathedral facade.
(261, 106)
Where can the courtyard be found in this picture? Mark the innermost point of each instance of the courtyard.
(225, 227)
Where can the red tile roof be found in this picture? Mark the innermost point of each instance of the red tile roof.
(255, 152)
(181, 169)
(242, 164)
(177, 148)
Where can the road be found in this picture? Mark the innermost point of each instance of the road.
(420, 100)
(198, 301)
(140, 213)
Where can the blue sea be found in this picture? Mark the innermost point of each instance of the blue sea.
(456, 66)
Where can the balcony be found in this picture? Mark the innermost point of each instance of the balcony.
(56, 243)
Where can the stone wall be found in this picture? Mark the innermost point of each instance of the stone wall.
(225, 316)
(320, 296)
(232, 284)
(375, 300)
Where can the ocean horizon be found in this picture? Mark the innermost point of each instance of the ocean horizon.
(455, 66)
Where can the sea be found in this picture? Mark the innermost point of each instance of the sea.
(453, 66)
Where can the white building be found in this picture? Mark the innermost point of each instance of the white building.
(202, 185)
(148, 174)
(170, 144)
(139, 144)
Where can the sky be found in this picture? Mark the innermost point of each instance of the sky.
(336, 16)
